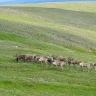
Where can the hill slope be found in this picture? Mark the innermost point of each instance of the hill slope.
(60, 29)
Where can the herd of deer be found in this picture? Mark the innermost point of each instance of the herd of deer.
(55, 60)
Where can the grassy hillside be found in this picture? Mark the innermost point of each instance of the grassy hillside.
(60, 29)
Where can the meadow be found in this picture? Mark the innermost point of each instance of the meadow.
(52, 29)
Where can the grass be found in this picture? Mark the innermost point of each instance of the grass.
(60, 29)
(39, 80)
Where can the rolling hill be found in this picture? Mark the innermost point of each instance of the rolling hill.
(60, 29)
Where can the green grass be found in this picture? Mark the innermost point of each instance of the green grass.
(39, 80)
(60, 29)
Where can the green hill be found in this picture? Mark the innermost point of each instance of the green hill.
(59, 29)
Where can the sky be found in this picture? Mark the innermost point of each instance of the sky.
(34, 1)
